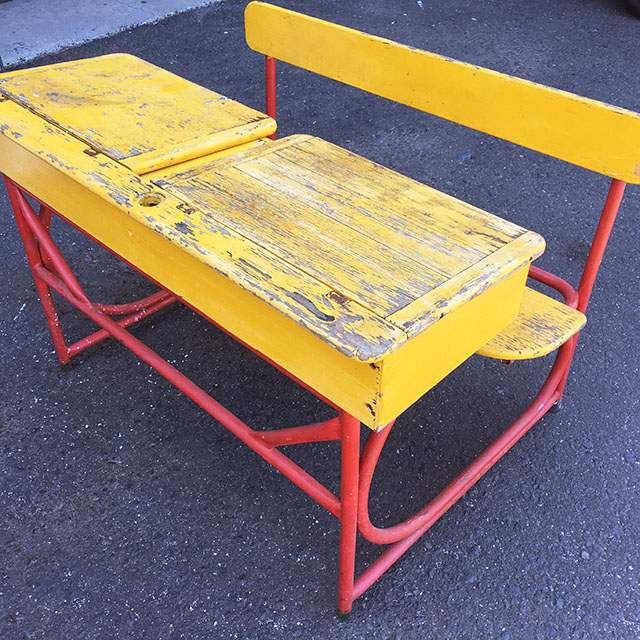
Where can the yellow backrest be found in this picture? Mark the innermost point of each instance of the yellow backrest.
(585, 132)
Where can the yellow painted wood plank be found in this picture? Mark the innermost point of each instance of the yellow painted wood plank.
(542, 325)
(343, 324)
(579, 130)
(275, 214)
(426, 359)
(430, 227)
(465, 285)
(133, 111)
(427, 212)
(383, 261)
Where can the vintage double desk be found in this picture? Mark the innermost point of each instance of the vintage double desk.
(363, 285)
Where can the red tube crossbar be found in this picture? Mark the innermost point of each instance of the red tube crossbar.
(349, 513)
(424, 518)
(319, 432)
(160, 302)
(291, 470)
(137, 305)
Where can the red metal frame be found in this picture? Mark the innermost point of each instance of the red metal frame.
(270, 89)
(51, 272)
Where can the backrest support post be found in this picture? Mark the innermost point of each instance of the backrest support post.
(270, 88)
(599, 244)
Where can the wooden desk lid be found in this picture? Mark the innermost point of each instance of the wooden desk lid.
(134, 112)
(402, 250)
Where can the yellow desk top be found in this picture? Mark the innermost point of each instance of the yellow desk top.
(133, 111)
(366, 285)
(402, 254)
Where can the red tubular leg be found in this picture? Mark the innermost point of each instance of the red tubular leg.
(44, 215)
(47, 245)
(270, 88)
(348, 511)
(393, 552)
(580, 299)
(42, 252)
(594, 259)
(441, 503)
(424, 518)
(35, 259)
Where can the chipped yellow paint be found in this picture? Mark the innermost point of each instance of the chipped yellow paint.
(133, 111)
(585, 132)
(159, 174)
(542, 325)
(364, 284)
(477, 278)
(100, 196)
(374, 236)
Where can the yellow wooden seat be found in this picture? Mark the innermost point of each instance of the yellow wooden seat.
(543, 324)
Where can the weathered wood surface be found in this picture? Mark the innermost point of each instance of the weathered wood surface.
(364, 284)
(133, 111)
(542, 325)
(585, 132)
(374, 236)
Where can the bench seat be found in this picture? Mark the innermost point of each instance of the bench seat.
(542, 325)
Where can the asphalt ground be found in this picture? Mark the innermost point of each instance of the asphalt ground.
(33, 28)
(126, 512)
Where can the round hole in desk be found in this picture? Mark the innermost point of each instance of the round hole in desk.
(150, 199)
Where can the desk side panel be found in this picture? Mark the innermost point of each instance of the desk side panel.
(426, 359)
